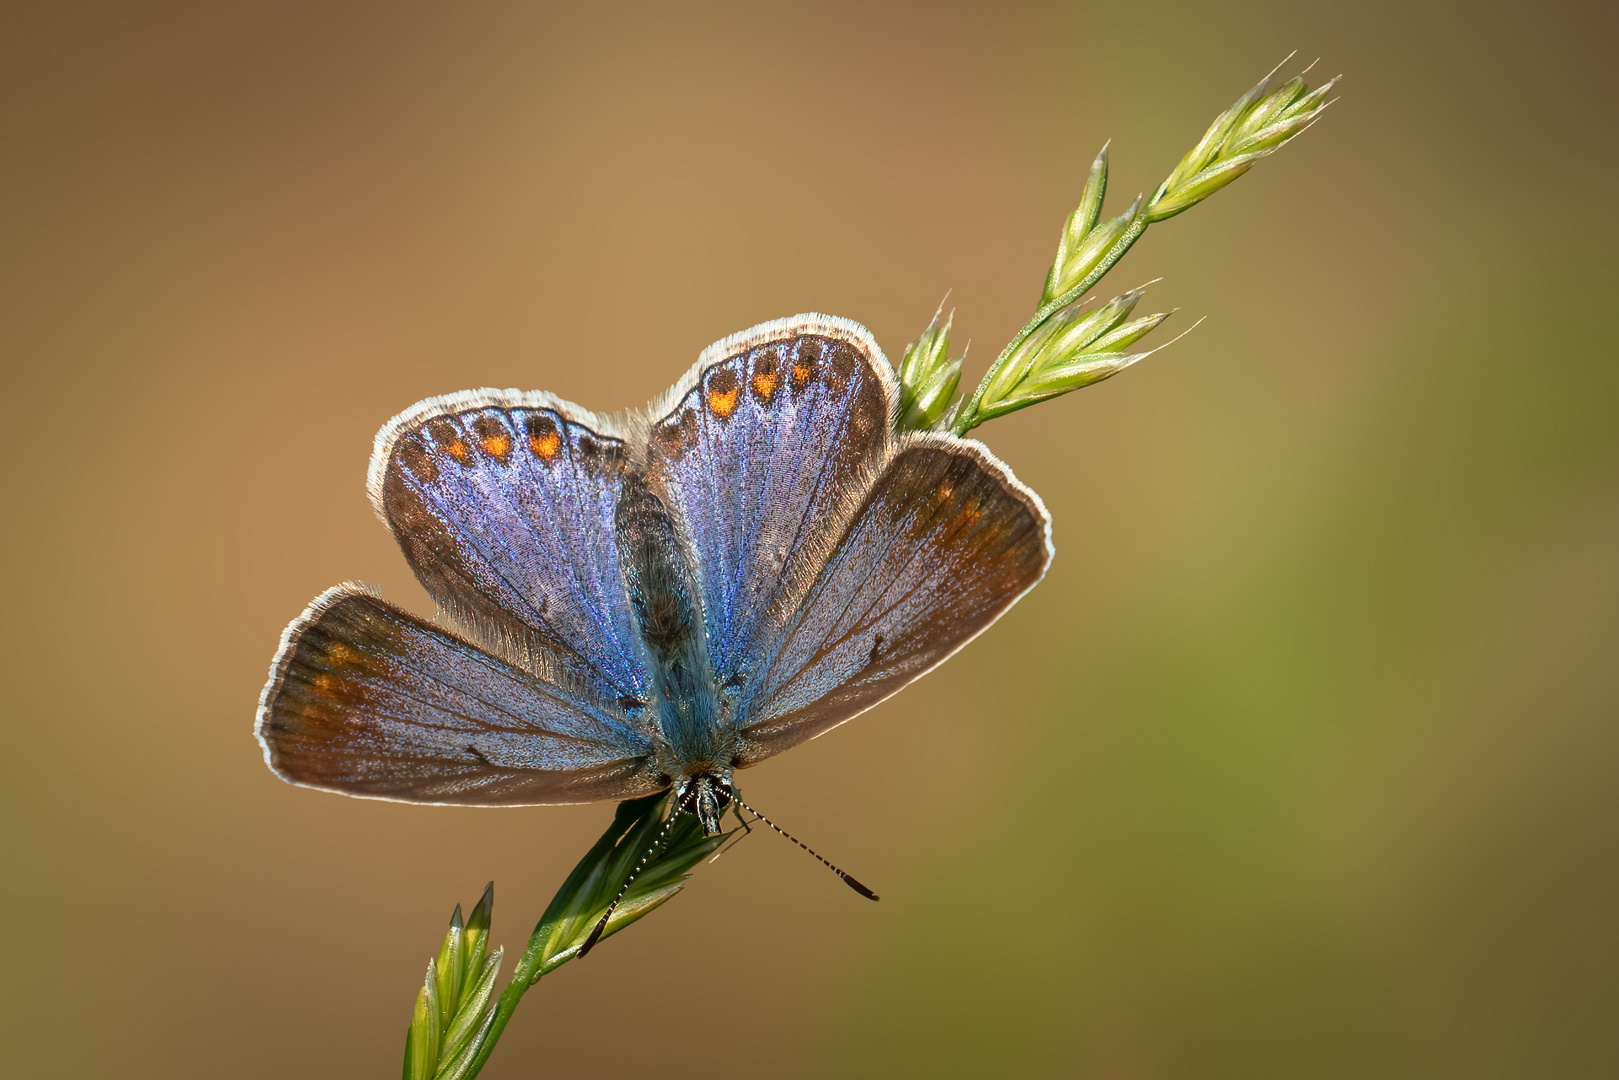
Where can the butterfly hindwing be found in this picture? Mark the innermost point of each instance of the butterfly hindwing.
(504, 505)
(368, 700)
(945, 541)
(765, 450)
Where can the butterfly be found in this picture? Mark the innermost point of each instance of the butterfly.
(634, 604)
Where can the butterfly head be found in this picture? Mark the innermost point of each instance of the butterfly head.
(708, 796)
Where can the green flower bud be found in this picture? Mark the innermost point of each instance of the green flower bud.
(1079, 226)
(1070, 350)
(928, 378)
(1253, 127)
(1090, 252)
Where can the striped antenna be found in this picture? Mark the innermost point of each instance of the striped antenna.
(657, 842)
(847, 880)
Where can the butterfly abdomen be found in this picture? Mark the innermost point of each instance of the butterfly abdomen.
(663, 595)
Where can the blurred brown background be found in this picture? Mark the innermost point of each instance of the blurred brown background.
(1300, 763)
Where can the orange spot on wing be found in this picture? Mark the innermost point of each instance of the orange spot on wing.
(723, 402)
(496, 446)
(459, 451)
(545, 444)
(801, 374)
(765, 383)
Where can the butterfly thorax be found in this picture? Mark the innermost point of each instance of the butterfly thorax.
(695, 727)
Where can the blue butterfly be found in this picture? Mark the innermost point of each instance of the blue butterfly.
(630, 605)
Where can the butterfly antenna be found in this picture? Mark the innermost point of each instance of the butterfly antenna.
(847, 880)
(657, 842)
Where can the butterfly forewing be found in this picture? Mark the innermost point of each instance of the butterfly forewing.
(504, 506)
(765, 450)
(369, 700)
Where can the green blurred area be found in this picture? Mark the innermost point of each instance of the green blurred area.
(1344, 805)
(1299, 763)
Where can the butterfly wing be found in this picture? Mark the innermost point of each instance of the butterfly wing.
(368, 700)
(504, 503)
(837, 563)
(945, 542)
(764, 449)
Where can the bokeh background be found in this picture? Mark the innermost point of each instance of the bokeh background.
(1301, 762)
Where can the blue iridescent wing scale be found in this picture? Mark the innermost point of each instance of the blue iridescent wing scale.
(366, 699)
(765, 449)
(504, 505)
